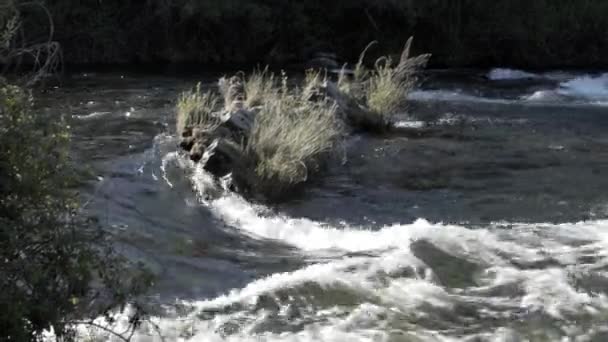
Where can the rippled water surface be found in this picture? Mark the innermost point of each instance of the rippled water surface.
(488, 221)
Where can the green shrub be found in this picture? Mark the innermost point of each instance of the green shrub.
(56, 265)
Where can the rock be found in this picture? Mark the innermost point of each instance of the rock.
(197, 151)
(221, 157)
(187, 143)
(241, 120)
(187, 132)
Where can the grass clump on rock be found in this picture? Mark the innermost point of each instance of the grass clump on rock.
(271, 137)
(383, 89)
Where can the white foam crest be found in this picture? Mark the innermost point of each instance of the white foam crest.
(324, 274)
(354, 327)
(451, 95)
(501, 74)
(567, 241)
(544, 290)
(545, 96)
(483, 245)
(90, 116)
(410, 124)
(587, 87)
(312, 236)
(364, 322)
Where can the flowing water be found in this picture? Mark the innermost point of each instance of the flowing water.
(491, 224)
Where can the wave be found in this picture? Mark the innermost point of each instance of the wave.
(415, 281)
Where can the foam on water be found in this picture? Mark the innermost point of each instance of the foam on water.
(410, 124)
(563, 89)
(563, 96)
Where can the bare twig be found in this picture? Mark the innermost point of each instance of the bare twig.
(46, 57)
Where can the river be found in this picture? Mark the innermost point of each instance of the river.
(491, 225)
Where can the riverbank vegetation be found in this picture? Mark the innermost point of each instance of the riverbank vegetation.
(528, 34)
(58, 266)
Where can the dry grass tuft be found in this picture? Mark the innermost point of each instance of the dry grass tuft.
(388, 84)
(386, 92)
(261, 84)
(385, 87)
(289, 137)
(195, 108)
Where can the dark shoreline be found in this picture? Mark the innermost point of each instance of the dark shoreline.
(536, 35)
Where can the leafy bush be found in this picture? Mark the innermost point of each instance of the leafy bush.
(56, 266)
